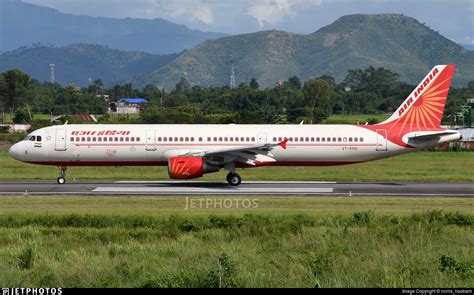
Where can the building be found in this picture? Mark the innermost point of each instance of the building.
(126, 106)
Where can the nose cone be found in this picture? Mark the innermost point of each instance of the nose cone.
(15, 151)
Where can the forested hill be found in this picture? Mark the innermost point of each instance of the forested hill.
(80, 62)
(23, 24)
(396, 42)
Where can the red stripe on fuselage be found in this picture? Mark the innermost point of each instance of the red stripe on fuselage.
(165, 163)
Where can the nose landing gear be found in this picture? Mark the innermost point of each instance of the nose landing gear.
(62, 174)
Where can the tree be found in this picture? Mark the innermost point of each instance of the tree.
(22, 116)
(295, 82)
(316, 99)
(16, 85)
(470, 85)
(254, 84)
(183, 85)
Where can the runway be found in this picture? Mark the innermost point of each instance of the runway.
(281, 188)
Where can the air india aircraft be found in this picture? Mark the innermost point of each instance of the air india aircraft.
(190, 151)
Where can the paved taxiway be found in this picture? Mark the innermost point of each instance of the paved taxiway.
(246, 188)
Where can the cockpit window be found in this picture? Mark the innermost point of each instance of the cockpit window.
(33, 138)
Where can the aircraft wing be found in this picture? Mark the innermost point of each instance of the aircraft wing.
(249, 155)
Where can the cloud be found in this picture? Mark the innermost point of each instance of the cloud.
(469, 40)
(274, 11)
(194, 11)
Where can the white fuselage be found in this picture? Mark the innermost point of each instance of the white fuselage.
(131, 145)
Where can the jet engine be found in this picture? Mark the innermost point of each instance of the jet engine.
(183, 167)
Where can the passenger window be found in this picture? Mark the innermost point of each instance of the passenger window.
(339, 139)
(296, 138)
(215, 138)
(138, 138)
(83, 139)
(226, 139)
(78, 139)
(111, 139)
(94, 139)
(350, 139)
(105, 138)
(88, 139)
(99, 139)
(72, 138)
(116, 139)
(121, 138)
(317, 139)
(164, 139)
(301, 139)
(237, 139)
(323, 139)
(132, 139)
(220, 139)
(361, 139)
(192, 139)
(159, 139)
(231, 139)
(312, 139)
(187, 139)
(334, 139)
(200, 138)
(356, 139)
(328, 139)
(274, 139)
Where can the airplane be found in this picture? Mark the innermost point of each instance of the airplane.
(190, 151)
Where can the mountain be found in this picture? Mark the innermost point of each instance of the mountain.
(392, 41)
(78, 62)
(468, 46)
(23, 24)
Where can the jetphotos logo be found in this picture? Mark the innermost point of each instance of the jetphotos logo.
(220, 203)
(418, 91)
(32, 291)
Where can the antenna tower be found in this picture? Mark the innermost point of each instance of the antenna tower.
(53, 79)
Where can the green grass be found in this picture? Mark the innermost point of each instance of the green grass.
(414, 167)
(285, 242)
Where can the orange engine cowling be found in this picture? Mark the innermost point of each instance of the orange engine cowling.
(189, 167)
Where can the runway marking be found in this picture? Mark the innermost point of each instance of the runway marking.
(205, 190)
(207, 182)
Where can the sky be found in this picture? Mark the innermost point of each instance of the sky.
(452, 18)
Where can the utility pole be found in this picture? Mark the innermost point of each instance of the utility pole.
(232, 78)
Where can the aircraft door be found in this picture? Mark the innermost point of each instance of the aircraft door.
(381, 140)
(150, 140)
(262, 138)
(60, 141)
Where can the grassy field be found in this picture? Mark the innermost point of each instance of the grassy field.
(283, 242)
(420, 166)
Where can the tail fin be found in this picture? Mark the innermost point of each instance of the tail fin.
(423, 109)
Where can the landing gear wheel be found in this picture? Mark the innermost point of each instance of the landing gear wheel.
(234, 179)
(62, 174)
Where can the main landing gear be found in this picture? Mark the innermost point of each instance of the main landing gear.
(234, 179)
(62, 174)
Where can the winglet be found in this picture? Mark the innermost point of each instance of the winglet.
(283, 143)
